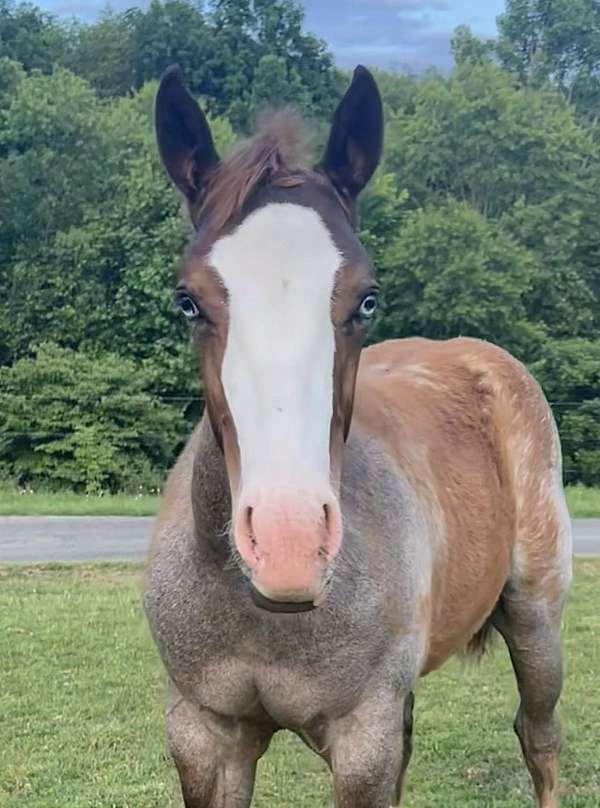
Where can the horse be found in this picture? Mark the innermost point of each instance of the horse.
(342, 520)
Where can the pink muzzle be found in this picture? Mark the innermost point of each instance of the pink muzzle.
(287, 540)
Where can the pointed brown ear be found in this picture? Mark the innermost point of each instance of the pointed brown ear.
(183, 134)
(355, 143)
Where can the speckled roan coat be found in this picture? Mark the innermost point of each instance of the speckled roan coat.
(453, 522)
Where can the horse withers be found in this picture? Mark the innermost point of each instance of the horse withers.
(340, 522)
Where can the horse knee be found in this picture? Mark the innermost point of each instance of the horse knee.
(539, 735)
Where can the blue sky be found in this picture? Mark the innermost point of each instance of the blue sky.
(406, 34)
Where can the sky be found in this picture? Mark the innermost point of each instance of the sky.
(408, 35)
(405, 34)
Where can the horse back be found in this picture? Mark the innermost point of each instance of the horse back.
(470, 430)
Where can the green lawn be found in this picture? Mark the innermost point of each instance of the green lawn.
(81, 708)
(584, 503)
(41, 503)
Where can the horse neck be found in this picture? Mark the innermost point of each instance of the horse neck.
(211, 498)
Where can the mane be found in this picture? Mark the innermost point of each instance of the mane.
(277, 154)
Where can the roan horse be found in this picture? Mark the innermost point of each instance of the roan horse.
(340, 523)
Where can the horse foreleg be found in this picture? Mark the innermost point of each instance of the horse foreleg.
(366, 751)
(215, 756)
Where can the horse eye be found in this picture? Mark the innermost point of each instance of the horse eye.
(368, 307)
(188, 307)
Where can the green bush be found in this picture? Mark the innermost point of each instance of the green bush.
(569, 372)
(71, 420)
(450, 272)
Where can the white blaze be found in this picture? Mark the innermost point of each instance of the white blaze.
(279, 268)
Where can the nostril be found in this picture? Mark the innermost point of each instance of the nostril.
(247, 524)
(332, 521)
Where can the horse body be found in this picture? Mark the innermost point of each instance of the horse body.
(431, 521)
(340, 522)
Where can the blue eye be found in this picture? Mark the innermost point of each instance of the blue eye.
(368, 307)
(188, 307)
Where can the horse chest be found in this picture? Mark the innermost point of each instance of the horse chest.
(253, 673)
(290, 696)
(240, 666)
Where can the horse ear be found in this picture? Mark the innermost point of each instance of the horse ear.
(355, 143)
(184, 139)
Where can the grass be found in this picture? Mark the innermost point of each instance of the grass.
(584, 503)
(14, 502)
(82, 691)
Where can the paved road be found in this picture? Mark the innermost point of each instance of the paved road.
(33, 539)
(26, 539)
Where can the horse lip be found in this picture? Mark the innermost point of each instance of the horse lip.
(280, 606)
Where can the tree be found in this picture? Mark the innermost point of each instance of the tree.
(468, 48)
(87, 422)
(174, 32)
(449, 272)
(569, 372)
(556, 41)
(11, 73)
(31, 37)
(521, 158)
(477, 137)
(91, 248)
(276, 84)
(102, 53)
(249, 30)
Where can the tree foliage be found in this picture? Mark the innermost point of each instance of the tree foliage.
(569, 371)
(78, 421)
(481, 221)
(553, 41)
(451, 272)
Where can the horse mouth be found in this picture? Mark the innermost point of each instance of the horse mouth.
(280, 606)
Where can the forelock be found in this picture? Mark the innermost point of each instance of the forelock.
(278, 154)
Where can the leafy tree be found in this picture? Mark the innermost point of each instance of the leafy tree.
(276, 85)
(468, 48)
(569, 372)
(102, 54)
(398, 92)
(557, 231)
(11, 74)
(174, 32)
(479, 138)
(78, 421)
(481, 221)
(520, 158)
(248, 30)
(450, 272)
(382, 211)
(31, 37)
(51, 166)
(555, 41)
(100, 279)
